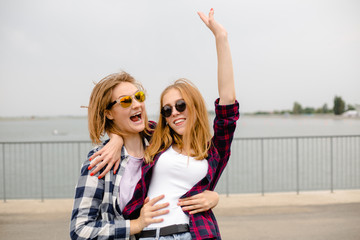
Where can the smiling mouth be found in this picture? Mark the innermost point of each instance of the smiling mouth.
(179, 121)
(136, 117)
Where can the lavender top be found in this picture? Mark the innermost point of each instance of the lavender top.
(132, 175)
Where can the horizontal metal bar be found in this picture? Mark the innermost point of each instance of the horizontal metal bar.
(236, 138)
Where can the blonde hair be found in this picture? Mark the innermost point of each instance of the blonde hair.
(196, 138)
(100, 97)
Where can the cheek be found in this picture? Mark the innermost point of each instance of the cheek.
(121, 115)
(167, 120)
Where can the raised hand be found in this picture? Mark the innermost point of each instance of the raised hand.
(217, 29)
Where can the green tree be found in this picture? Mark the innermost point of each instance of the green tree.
(339, 105)
(297, 109)
(325, 108)
(309, 110)
(350, 107)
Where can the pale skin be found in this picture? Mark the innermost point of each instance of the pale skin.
(109, 156)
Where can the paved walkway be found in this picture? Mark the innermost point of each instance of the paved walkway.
(309, 215)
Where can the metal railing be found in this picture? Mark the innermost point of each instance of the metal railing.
(257, 165)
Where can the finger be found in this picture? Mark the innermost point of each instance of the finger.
(203, 17)
(156, 199)
(211, 13)
(211, 16)
(199, 195)
(160, 206)
(159, 213)
(146, 200)
(96, 160)
(96, 170)
(116, 167)
(156, 220)
(197, 211)
(192, 207)
(187, 203)
(107, 169)
(98, 153)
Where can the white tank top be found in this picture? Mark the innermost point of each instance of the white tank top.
(173, 175)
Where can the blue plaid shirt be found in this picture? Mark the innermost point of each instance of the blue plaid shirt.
(96, 213)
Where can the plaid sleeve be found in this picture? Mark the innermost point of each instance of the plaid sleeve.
(224, 128)
(86, 220)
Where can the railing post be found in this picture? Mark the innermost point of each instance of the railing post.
(297, 167)
(227, 182)
(331, 166)
(262, 168)
(4, 171)
(41, 173)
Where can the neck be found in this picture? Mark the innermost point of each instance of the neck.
(134, 145)
(183, 150)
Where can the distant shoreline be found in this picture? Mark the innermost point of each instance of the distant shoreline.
(41, 118)
(252, 115)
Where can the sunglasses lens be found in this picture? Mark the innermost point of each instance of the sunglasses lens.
(166, 111)
(180, 105)
(125, 101)
(140, 96)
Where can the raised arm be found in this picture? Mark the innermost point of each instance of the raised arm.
(226, 84)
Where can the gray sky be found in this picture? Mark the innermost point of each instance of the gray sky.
(283, 51)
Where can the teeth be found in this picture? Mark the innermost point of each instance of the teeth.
(179, 121)
(135, 114)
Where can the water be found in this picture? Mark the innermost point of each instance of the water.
(52, 169)
(63, 129)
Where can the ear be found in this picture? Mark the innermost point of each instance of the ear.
(109, 115)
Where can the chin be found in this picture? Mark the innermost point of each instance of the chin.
(139, 128)
(179, 131)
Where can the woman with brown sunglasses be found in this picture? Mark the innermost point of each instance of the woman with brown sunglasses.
(116, 107)
(183, 159)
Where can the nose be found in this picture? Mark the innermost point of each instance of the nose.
(135, 103)
(174, 111)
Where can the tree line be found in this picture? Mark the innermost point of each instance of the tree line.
(338, 108)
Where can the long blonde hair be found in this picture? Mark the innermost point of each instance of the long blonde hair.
(197, 135)
(100, 97)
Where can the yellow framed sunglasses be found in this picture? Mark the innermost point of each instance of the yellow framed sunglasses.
(126, 101)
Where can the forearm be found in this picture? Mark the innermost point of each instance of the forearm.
(84, 228)
(226, 85)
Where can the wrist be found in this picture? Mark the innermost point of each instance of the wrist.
(221, 36)
(135, 226)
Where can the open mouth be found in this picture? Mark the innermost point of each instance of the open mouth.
(136, 117)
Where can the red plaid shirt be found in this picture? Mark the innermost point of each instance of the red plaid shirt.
(202, 225)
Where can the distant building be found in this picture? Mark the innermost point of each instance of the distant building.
(353, 113)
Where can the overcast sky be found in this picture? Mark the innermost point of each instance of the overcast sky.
(283, 51)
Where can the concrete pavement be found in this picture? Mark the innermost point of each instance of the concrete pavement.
(309, 215)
